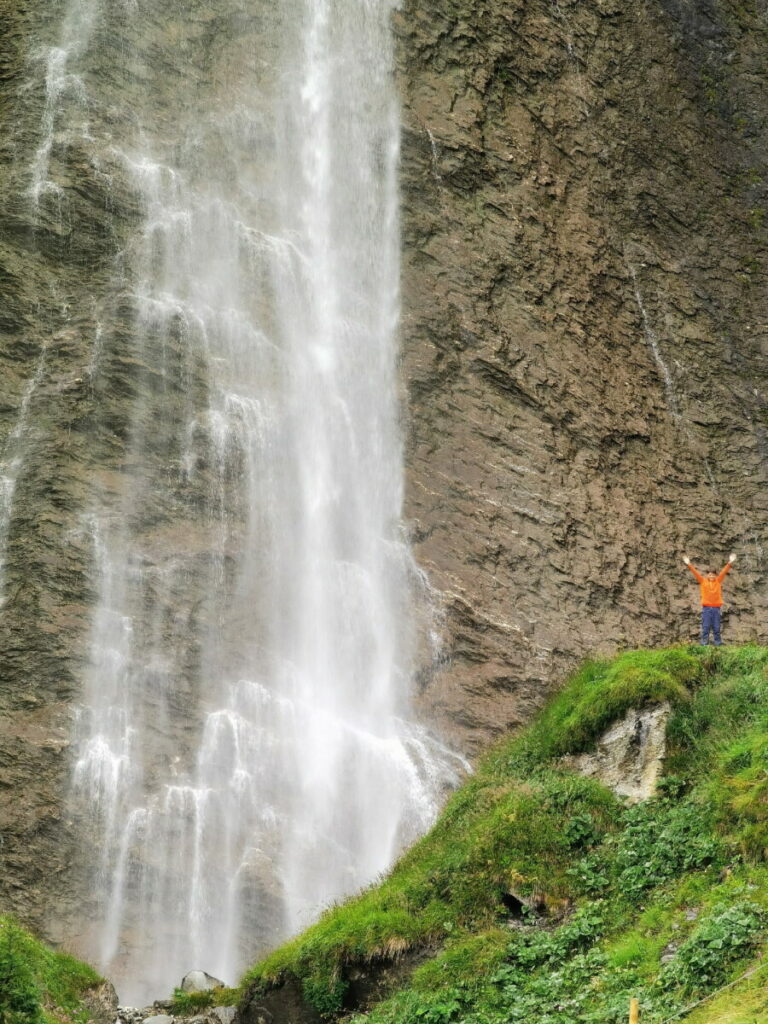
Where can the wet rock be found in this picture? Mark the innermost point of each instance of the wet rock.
(134, 1015)
(200, 981)
(628, 757)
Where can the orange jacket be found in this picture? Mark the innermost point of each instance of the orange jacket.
(711, 590)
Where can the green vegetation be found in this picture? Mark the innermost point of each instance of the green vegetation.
(545, 899)
(189, 1004)
(37, 985)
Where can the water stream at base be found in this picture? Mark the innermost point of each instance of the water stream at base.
(246, 750)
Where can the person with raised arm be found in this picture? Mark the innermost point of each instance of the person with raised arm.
(711, 586)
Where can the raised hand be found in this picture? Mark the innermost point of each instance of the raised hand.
(686, 559)
(732, 558)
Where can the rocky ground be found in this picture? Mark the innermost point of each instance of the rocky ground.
(160, 1013)
(103, 1006)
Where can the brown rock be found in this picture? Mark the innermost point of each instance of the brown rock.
(585, 332)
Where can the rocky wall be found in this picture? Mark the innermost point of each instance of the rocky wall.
(585, 328)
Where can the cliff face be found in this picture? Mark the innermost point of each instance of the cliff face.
(584, 352)
(585, 330)
(51, 272)
(79, 387)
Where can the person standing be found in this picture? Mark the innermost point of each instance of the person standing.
(711, 585)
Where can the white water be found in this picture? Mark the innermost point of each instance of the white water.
(246, 748)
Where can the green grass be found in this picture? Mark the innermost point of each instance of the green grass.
(38, 985)
(667, 900)
(190, 1004)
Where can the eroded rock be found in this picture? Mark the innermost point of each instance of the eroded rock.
(200, 981)
(628, 757)
(101, 1003)
(584, 324)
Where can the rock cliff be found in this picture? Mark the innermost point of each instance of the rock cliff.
(583, 352)
(585, 329)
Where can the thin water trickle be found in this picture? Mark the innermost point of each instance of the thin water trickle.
(653, 344)
(246, 752)
(12, 461)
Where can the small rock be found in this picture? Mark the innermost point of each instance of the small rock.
(669, 951)
(131, 1014)
(223, 1014)
(200, 981)
(160, 1018)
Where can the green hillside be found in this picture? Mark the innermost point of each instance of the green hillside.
(541, 897)
(38, 985)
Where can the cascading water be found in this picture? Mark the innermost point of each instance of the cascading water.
(245, 749)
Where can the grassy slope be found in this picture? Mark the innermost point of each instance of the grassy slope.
(37, 985)
(666, 901)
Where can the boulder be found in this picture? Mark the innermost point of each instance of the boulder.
(629, 756)
(199, 981)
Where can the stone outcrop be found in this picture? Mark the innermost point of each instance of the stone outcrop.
(628, 757)
(585, 330)
(100, 1003)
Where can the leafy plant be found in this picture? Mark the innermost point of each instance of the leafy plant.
(722, 939)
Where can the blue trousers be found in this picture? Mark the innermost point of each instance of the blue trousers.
(710, 619)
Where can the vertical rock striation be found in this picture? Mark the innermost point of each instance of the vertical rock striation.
(585, 328)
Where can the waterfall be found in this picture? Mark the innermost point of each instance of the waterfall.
(246, 750)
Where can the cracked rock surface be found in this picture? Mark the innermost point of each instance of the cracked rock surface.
(585, 331)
